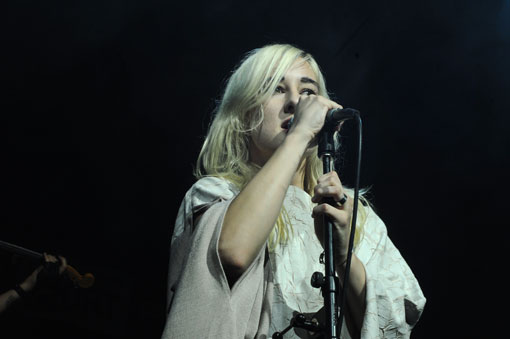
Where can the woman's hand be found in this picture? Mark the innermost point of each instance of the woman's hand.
(61, 261)
(51, 263)
(310, 114)
(330, 187)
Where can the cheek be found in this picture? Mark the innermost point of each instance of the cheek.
(261, 134)
(266, 135)
(258, 133)
(270, 128)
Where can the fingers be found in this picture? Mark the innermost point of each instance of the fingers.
(327, 102)
(329, 186)
(334, 192)
(310, 114)
(63, 264)
(63, 260)
(333, 104)
(340, 219)
(329, 177)
(340, 214)
(309, 100)
(48, 258)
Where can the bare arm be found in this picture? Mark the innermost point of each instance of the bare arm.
(9, 297)
(356, 295)
(253, 213)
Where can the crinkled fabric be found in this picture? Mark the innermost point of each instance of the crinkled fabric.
(267, 296)
(200, 302)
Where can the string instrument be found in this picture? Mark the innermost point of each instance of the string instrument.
(84, 281)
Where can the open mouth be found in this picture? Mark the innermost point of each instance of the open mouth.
(286, 123)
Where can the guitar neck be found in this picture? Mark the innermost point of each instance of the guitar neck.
(19, 250)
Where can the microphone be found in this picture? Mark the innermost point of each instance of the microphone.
(334, 117)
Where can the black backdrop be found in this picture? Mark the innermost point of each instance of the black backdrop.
(105, 104)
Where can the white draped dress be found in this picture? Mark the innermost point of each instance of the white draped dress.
(394, 300)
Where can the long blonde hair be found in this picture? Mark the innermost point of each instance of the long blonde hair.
(225, 152)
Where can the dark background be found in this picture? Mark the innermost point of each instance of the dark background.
(105, 103)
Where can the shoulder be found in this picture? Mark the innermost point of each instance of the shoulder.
(206, 192)
(202, 194)
(211, 189)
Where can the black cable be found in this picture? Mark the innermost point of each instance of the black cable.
(353, 226)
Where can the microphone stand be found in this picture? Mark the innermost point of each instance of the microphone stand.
(329, 283)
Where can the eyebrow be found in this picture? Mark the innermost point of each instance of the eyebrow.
(306, 80)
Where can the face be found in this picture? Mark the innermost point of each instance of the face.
(299, 80)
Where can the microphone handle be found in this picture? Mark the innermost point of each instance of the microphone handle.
(337, 115)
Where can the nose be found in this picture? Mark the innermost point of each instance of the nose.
(292, 99)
